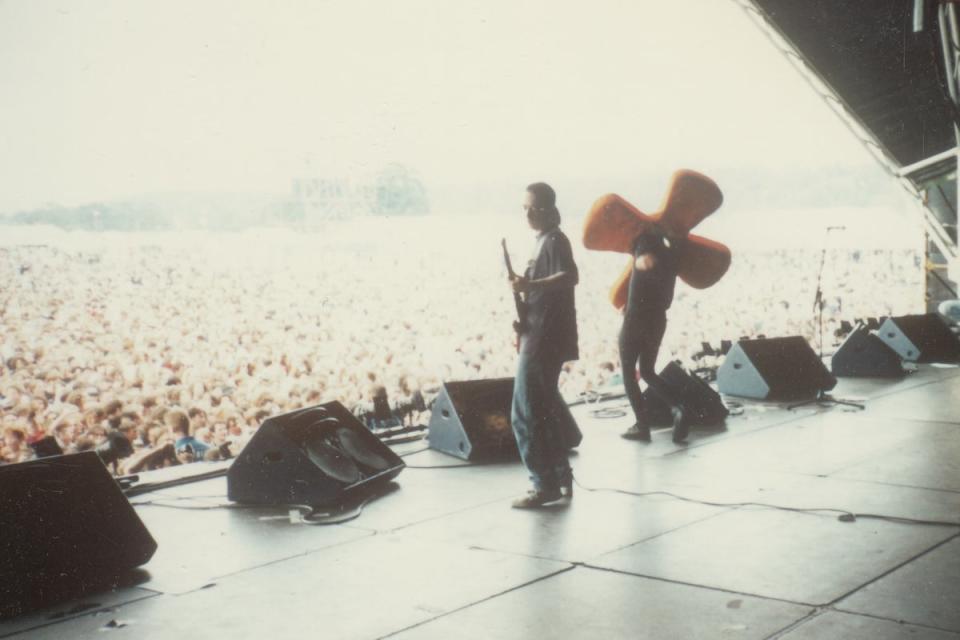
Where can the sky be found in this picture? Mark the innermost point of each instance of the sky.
(104, 99)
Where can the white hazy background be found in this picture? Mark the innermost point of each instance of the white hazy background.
(105, 100)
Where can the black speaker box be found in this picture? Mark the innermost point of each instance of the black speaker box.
(865, 355)
(773, 369)
(921, 338)
(702, 405)
(471, 420)
(317, 456)
(66, 530)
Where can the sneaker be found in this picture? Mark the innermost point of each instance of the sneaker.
(681, 426)
(536, 498)
(637, 432)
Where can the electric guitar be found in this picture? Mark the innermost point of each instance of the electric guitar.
(520, 323)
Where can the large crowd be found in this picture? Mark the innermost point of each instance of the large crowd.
(184, 343)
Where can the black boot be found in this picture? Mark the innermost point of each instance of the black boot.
(681, 424)
(639, 431)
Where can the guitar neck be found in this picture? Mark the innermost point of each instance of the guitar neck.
(506, 259)
(518, 301)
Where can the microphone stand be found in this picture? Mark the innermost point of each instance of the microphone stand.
(823, 399)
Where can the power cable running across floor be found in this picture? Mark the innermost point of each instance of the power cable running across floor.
(845, 514)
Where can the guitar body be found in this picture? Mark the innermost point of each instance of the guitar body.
(613, 224)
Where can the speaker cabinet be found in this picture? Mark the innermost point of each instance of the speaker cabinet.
(921, 338)
(773, 369)
(471, 419)
(317, 456)
(865, 355)
(702, 405)
(66, 530)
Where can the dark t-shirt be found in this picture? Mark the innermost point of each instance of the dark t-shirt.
(552, 314)
(652, 290)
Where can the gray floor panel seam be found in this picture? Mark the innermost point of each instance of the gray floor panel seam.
(896, 620)
(519, 554)
(734, 436)
(813, 615)
(914, 387)
(893, 569)
(860, 416)
(892, 484)
(89, 613)
(695, 585)
(212, 581)
(723, 510)
(946, 423)
(731, 436)
(445, 515)
(832, 476)
(893, 448)
(481, 601)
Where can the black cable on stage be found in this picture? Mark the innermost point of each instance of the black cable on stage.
(206, 507)
(410, 453)
(448, 466)
(845, 515)
(451, 466)
(443, 466)
(333, 518)
(147, 487)
(607, 413)
(596, 397)
(308, 514)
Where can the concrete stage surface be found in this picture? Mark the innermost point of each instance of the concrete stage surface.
(444, 556)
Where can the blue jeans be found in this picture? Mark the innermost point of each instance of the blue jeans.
(542, 424)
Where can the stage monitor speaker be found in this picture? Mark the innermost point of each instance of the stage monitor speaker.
(702, 405)
(921, 338)
(471, 419)
(865, 355)
(317, 456)
(773, 369)
(66, 530)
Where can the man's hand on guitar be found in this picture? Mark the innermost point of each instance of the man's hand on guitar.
(520, 284)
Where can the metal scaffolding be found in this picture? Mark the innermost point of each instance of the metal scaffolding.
(932, 182)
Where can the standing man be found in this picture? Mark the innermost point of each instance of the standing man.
(650, 294)
(543, 426)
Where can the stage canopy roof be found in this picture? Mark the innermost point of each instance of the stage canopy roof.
(890, 78)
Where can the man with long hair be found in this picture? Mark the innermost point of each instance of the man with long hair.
(542, 424)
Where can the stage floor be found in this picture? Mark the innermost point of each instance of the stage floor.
(444, 556)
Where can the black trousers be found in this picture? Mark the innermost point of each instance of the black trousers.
(640, 339)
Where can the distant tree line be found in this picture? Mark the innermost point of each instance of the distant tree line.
(396, 191)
